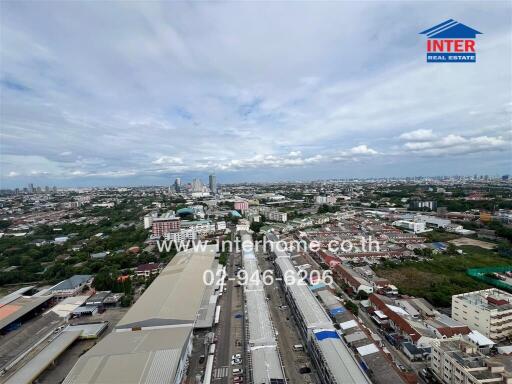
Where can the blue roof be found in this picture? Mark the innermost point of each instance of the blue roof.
(439, 245)
(236, 213)
(322, 335)
(451, 29)
(185, 211)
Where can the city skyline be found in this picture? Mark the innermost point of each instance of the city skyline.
(181, 90)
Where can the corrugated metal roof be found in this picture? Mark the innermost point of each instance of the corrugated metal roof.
(30, 371)
(151, 355)
(164, 299)
(342, 364)
(265, 362)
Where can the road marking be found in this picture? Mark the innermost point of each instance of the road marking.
(221, 372)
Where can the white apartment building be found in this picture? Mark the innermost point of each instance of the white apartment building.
(488, 311)
(243, 225)
(277, 216)
(220, 225)
(456, 361)
(201, 227)
(325, 199)
(181, 236)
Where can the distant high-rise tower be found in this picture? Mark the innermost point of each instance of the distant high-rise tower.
(197, 185)
(213, 183)
(177, 184)
(31, 188)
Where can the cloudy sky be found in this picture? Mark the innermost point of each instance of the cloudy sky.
(128, 93)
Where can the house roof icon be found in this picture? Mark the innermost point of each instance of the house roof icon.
(450, 29)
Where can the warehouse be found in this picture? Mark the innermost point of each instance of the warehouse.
(17, 308)
(152, 342)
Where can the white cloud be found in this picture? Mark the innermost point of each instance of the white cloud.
(363, 150)
(418, 135)
(12, 174)
(189, 88)
(168, 160)
(458, 145)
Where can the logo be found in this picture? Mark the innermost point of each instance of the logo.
(451, 42)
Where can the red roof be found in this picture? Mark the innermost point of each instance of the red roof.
(148, 267)
(395, 317)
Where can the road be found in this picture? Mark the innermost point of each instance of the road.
(288, 335)
(230, 330)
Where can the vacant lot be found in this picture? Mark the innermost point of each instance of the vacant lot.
(443, 276)
(477, 243)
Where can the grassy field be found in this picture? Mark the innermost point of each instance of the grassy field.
(443, 276)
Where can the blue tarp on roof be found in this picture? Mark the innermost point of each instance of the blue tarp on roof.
(236, 214)
(317, 286)
(336, 311)
(322, 335)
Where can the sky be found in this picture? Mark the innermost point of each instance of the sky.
(138, 93)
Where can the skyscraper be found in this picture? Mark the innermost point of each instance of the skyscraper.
(213, 183)
(31, 188)
(177, 184)
(197, 185)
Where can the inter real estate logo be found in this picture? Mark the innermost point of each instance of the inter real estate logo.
(451, 42)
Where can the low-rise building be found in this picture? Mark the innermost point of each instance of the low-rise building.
(456, 361)
(71, 287)
(148, 269)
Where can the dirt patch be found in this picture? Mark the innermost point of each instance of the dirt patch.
(476, 243)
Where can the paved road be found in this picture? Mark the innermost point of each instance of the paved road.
(230, 330)
(16, 342)
(288, 334)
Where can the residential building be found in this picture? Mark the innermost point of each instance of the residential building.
(165, 224)
(456, 361)
(417, 204)
(220, 225)
(277, 216)
(243, 225)
(148, 269)
(241, 206)
(325, 199)
(489, 311)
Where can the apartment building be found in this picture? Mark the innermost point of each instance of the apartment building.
(489, 311)
(277, 216)
(456, 361)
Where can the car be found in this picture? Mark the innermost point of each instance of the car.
(201, 359)
(237, 370)
(236, 362)
(401, 367)
(305, 370)
(238, 379)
